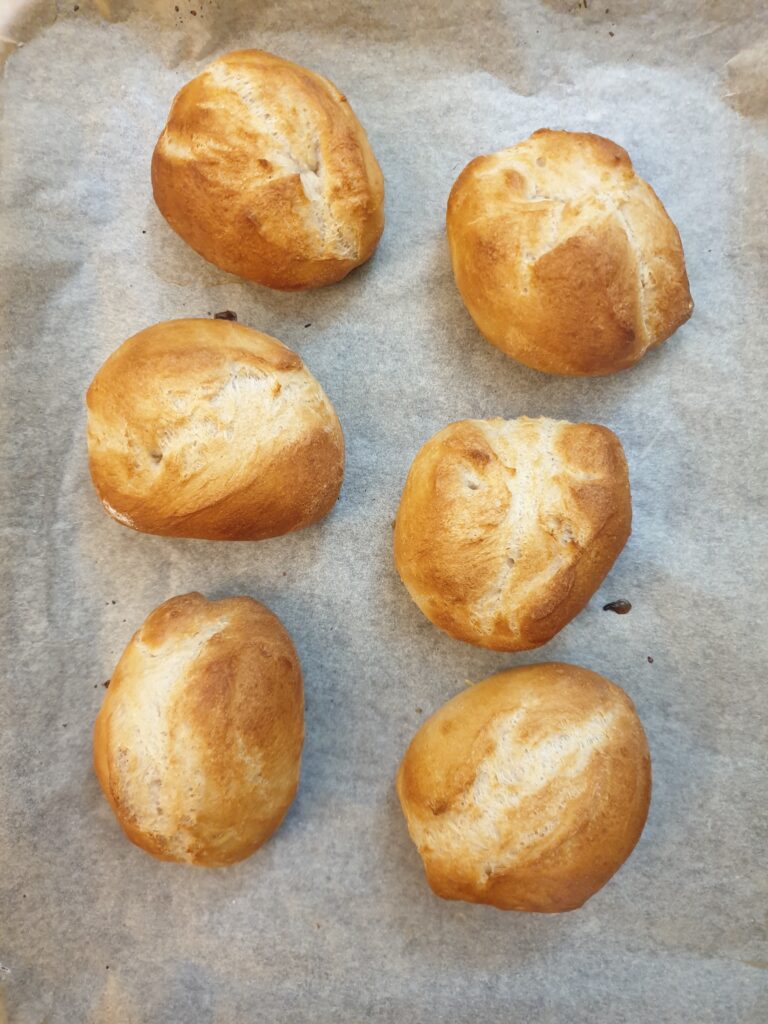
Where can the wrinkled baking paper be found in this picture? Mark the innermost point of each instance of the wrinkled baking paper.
(332, 921)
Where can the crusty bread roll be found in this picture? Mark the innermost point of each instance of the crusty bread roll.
(265, 171)
(565, 258)
(206, 428)
(507, 527)
(528, 790)
(197, 745)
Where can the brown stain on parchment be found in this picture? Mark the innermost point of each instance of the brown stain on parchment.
(746, 81)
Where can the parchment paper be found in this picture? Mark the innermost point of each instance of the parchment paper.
(332, 920)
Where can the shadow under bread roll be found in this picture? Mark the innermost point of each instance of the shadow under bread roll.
(209, 429)
(197, 745)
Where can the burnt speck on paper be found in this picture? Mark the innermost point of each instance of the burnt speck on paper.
(650, 660)
(106, 685)
(621, 607)
(225, 314)
(308, 325)
(419, 710)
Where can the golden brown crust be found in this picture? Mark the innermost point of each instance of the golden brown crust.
(507, 527)
(208, 429)
(197, 745)
(528, 790)
(264, 170)
(564, 257)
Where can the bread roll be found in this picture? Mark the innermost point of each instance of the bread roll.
(507, 527)
(197, 745)
(528, 790)
(265, 171)
(206, 428)
(564, 257)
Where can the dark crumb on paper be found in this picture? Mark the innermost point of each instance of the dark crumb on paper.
(114, 602)
(106, 685)
(143, 232)
(308, 325)
(621, 607)
(611, 34)
(419, 710)
(107, 967)
(76, 7)
(317, 924)
(64, 725)
(225, 314)
(650, 660)
(23, 895)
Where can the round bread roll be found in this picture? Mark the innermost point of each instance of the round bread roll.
(208, 429)
(265, 171)
(565, 259)
(528, 790)
(507, 527)
(197, 745)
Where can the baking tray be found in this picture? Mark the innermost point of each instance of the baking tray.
(332, 920)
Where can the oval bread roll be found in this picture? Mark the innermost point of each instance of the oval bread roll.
(265, 171)
(507, 527)
(528, 790)
(197, 745)
(208, 429)
(564, 257)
